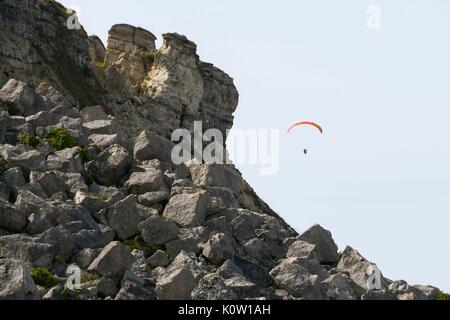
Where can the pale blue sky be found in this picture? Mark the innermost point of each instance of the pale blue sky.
(379, 178)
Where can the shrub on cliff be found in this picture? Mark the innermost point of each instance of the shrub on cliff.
(84, 154)
(28, 139)
(42, 277)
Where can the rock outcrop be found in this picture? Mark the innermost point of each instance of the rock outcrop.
(86, 178)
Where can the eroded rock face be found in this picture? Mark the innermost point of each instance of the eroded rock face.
(174, 87)
(106, 195)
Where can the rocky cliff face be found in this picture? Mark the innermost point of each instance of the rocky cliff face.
(86, 179)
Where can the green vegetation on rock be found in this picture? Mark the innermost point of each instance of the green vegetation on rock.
(28, 139)
(60, 139)
(4, 165)
(42, 277)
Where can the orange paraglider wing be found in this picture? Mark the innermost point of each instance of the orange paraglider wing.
(305, 123)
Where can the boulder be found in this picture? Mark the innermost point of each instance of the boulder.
(52, 99)
(244, 268)
(95, 113)
(110, 166)
(12, 179)
(43, 119)
(403, 291)
(106, 288)
(151, 198)
(188, 210)
(29, 161)
(61, 240)
(69, 212)
(218, 224)
(179, 280)
(243, 288)
(257, 250)
(26, 249)
(302, 249)
(133, 291)
(111, 195)
(67, 160)
(158, 259)
(146, 178)
(91, 201)
(157, 231)
(149, 146)
(50, 182)
(430, 292)
(222, 198)
(84, 257)
(39, 222)
(100, 127)
(103, 141)
(28, 202)
(91, 239)
(112, 261)
(383, 294)
(339, 287)
(245, 224)
(174, 247)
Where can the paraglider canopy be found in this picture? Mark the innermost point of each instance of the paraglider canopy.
(305, 123)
